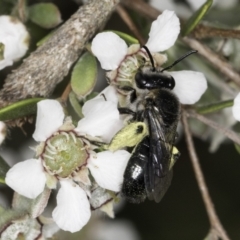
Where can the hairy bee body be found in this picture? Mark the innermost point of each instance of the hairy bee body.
(149, 173)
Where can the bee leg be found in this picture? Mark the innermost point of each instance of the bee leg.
(127, 111)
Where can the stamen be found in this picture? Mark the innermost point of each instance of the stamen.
(124, 73)
(134, 60)
(51, 150)
(50, 145)
(73, 136)
(66, 135)
(47, 156)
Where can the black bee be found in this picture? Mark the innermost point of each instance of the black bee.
(149, 170)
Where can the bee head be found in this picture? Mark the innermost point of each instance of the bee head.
(148, 79)
(152, 79)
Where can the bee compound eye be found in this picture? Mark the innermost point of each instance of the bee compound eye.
(171, 83)
(140, 80)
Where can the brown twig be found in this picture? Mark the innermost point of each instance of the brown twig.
(216, 226)
(21, 8)
(66, 92)
(142, 8)
(127, 19)
(46, 67)
(203, 31)
(227, 132)
(214, 58)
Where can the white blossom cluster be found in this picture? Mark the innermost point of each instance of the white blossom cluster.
(14, 39)
(58, 158)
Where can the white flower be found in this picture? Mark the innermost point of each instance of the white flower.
(113, 54)
(29, 177)
(15, 38)
(236, 107)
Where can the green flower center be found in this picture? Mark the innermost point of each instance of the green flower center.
(64, 153)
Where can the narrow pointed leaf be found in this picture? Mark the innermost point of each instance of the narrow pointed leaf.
(84, 75)
(75, 104)
(193, 21)
(19, 109)
(214, 107)
(127, 38)
(46, 15)
(3, 170)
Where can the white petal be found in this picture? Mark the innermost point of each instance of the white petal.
(15, 38)
(108, 168)
(73, 208)
(50, 117)
(49, 230)
(236, 107)
(92, 106)
(102, 121)
(27, 178)
(114, 126)
(164, 32)
(110, 49)
(110, 93)
(189, 86)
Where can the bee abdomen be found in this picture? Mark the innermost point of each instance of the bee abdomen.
(133, 188)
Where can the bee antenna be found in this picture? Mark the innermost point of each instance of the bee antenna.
(180, 59)
(150, 57)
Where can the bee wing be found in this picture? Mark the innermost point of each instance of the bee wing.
(161, 186)
(158, 145)
(157, 174)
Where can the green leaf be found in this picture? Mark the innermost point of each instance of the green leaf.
(46, 15)
(19, 109)
(193, 21)
(91, 96)
(3, 170)
(84, 75)
(75, 104)
(127, 38)
(214, 107)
